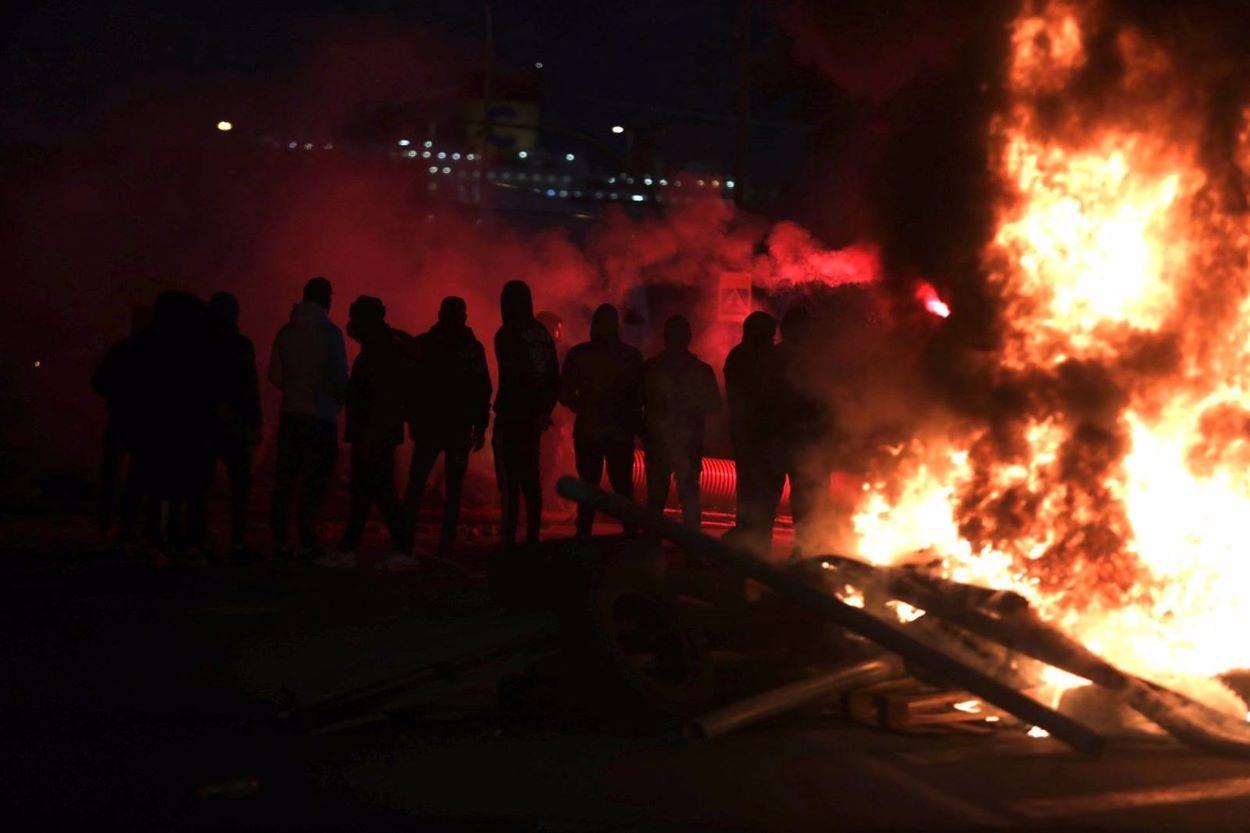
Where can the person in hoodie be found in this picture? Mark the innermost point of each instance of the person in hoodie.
(308, 364)
(374, 428)
(115, 381)
(752, 388)
(679, 394)
(450, 414)
(602, 384)
(175, 365)
(804, 428)
(238, 422)
(529, 385)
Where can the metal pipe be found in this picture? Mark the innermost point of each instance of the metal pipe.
(1060, 726)
(792, 696)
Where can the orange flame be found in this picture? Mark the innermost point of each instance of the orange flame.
(1115, 497)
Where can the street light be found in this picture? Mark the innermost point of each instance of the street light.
(616, 128)
(223, 126)
(569, 157)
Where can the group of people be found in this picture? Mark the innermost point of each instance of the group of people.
(182, 393)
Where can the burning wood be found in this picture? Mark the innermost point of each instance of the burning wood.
(853, 619)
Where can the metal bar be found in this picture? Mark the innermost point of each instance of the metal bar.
(791, 696)
(1060, 726)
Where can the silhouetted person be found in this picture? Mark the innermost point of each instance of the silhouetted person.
(237, 430)
(804, 428)
(308, 364)
(557, 445)
(449, 412)
(679, 394)
(375, 426)
(602, 384)
(177, 368)
(529, 383)
(116, 380)
(752, 387)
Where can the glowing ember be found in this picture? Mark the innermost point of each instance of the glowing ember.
(1113, 495)
(927, 295)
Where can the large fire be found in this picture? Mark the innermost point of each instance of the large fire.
(1114, 491)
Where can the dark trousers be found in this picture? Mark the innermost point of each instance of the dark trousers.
(592, 457)
(684, 465)
(761, 477)
(111, 460)
(236, 455)
(372, 484)
(307, 450)
(454, 447)
(809, 491)
(517, 448)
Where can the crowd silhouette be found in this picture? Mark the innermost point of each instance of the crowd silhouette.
(182, 394)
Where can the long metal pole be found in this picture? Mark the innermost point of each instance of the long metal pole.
(1060, 726)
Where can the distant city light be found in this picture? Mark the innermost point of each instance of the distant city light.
(568, 157)
(611, 180)
(716, 183)
(647, 181)
(638, 198)
(434, 169)
(616, 128)
(291, 145)
(403, 143)
(470, 157)
(442, 154)
(446, 170)
(538, 65)
(308, 146)
(411, 154)
(223, 126)
(425, 154)
(729, 184)
(551, 192)
(664, 182)
(38, 363)
(522, 155)
(456, 156)
(429, 144)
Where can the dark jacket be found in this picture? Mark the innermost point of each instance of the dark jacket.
(453, 388)
(375, 390)
(752, 388)
(118, 381)
(238, 413)
(679, 393)
(804, 417)
(529, 374)
(602, 384)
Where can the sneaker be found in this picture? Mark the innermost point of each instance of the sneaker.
(339, 560)
(398, 562)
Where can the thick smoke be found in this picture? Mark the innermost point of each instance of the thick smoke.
(158, 199)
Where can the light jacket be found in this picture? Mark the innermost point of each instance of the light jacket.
(308, 363)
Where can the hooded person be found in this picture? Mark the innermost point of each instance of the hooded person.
(804, 427)
(601, 383)
(449, 412)
(116, 381)
(529, 384)
(175, 410)
(679, 394)
(237, 424)
(308, 363)
(752, 387)
(374, 427)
